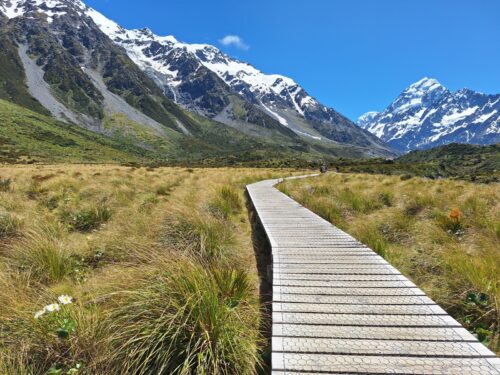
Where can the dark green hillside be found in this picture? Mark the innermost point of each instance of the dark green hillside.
(459, 155)
(12, 76)
(26, 135)
(462, 161)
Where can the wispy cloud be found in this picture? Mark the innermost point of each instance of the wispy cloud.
(235, 41)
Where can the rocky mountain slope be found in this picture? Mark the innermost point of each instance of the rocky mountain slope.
(64, 58)
(427, 115)
(202, 78)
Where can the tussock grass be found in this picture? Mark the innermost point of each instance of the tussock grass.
(190, 320)
(9, 225)
(5, 184)
(44, 257)
(443, 234)
(202, 236)
(226, 203)
(87, 219)
(156, 278)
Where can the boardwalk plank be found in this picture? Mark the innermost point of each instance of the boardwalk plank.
(339, 308)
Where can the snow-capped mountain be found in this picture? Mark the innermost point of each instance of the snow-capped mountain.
(86, 69)
(200, 77)
(427, 114)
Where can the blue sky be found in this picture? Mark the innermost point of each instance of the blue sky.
(353, 55)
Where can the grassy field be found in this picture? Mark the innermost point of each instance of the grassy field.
(119, 270)
(442, 234)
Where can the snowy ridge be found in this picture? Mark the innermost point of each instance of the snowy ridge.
(203, 79)
(279, 96)
(248, 79)
(52, 8)
(427, 114)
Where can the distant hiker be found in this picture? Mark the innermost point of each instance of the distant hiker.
(323, 168)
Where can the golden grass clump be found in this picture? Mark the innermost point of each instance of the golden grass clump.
(189, 320)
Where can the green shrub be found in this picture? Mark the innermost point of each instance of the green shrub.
(35, 190)
(5, 184)
(9, 225)
(372, 237)
(231, 196)
(51, 202)
(62, 340)
(321, 190)
(167, 189)
(88, 219)
(447, 223)
(189, 321)
(328, 211)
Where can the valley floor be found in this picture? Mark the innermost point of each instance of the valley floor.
(109, 269)
(105, 269)
(442, 234)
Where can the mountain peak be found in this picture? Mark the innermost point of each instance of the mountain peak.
(17, 8)
(426, 114)
(419, 94)
(425, 84)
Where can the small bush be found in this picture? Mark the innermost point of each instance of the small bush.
(406, 177)
(9, 225)
(189, 321)
(371, 236)
(5, 184)
(88, 219)
(167, 189)
(358, 202)
(321, 190)
(50, 202)
(329, 211)
(449, 222)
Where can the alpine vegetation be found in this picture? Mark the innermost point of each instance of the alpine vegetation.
(442, 234)
(100, 274)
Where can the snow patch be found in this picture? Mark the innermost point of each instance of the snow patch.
(456, 116)
(485, 117)
(281, 120)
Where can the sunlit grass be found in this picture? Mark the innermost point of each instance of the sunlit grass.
(154, 260)
(189, 320)
(443, 234)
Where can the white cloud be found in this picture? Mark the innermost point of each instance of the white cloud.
(234, 40)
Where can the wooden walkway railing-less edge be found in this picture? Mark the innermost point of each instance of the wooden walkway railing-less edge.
(339, 308)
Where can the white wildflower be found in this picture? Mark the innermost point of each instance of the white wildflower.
(65, 299)
(52, 307)
(39, 314)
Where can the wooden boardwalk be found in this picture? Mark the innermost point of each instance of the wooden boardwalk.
(339, 308)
